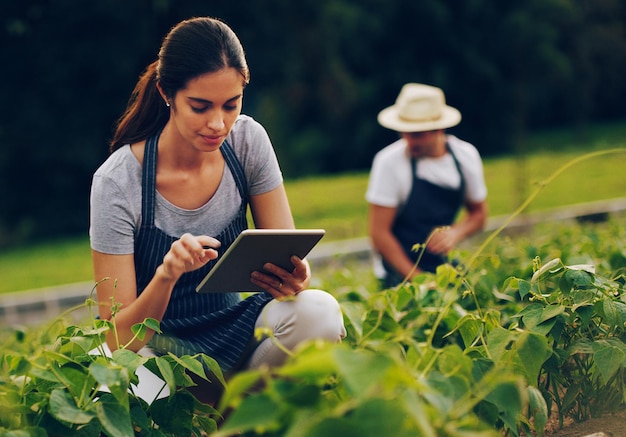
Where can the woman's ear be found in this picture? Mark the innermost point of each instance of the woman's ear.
(167, 102)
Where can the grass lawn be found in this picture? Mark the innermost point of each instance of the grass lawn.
(336, 203)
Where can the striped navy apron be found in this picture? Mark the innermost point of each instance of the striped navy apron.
(220, 325)
(427, 207)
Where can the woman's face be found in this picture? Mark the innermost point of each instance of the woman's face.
(205, 110)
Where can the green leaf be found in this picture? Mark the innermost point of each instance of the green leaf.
(354, 311)
(179, 424)
(258, 412)
(64, 409)
(76, 379)
(507, 397)
(314, 362)
(538, 409)
(381, 417)
(531, 315)
(469, 329)
(297, 394)
(139, 418)
(403, 297)
(18, 365)
(238, 386)
(190, 363)
(585, 313)
(131, 361)
(361, 370)
(444, 390)
(153, 324)
(167, 373)
(551, 311)
(115, 418)
(452, 361)
(612, 315)
(328, 426)
(214, 368)
(78, 345)
(128, 359)
(109, 374)
(498, 340)
(533, 350)
(579, 278)
(536, 315)
(524, 288)
(581, 346)
(115, 378)
(609, 356)
(139, 330)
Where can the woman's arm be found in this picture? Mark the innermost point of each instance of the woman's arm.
(186, 254)
(271, 211)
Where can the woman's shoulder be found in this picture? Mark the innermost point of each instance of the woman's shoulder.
(120, 165)
(246, 130)
(249, 138)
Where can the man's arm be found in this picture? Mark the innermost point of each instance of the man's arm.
(380, 222)
(443, 241)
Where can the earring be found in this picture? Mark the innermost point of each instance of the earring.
(167, 104)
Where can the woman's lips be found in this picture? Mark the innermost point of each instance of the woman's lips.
(212, 139)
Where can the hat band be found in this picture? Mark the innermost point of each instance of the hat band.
(421, 119)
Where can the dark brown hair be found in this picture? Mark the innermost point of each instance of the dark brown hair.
(192, 48)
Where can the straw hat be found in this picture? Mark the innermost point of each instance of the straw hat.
(419, 108)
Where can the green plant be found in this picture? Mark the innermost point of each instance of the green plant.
(481, 350)
(59, 381)
(584, 317)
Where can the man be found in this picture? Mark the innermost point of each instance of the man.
(420, 183)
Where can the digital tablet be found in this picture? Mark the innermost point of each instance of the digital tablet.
(251, 250)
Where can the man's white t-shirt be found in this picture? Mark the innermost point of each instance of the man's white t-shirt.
(390, 177)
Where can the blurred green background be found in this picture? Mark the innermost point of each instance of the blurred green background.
(321, 71)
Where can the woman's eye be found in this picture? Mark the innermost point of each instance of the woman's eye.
(198, 110)
(230, 108)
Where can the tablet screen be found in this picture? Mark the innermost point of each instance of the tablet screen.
(251, 250)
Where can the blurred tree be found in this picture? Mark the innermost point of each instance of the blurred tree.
(321, 71)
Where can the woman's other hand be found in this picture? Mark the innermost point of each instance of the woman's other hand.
(281, 283)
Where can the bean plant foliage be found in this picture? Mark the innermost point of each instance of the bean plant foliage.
(462, 352)
(517, 333)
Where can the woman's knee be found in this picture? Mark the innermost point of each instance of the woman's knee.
(320, 314)
(313, 314)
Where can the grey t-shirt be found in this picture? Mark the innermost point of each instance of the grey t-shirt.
(115, 213)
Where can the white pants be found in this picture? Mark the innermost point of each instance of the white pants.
(312, 314)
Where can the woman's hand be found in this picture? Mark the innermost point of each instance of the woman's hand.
(187, 254)
(281, 283)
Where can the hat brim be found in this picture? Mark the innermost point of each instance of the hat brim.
(390, 119)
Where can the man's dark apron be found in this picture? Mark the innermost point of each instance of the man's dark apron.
(220, 325)
(428, 206)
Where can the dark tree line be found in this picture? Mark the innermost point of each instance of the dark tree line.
(321, 71)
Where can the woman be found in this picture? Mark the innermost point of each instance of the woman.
(173, 196)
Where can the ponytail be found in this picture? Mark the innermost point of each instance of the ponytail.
(145, 114)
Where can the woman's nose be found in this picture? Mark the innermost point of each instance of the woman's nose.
(215, 120)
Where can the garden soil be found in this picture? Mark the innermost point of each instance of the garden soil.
(609, 425)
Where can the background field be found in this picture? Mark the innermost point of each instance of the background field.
(337, 203)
